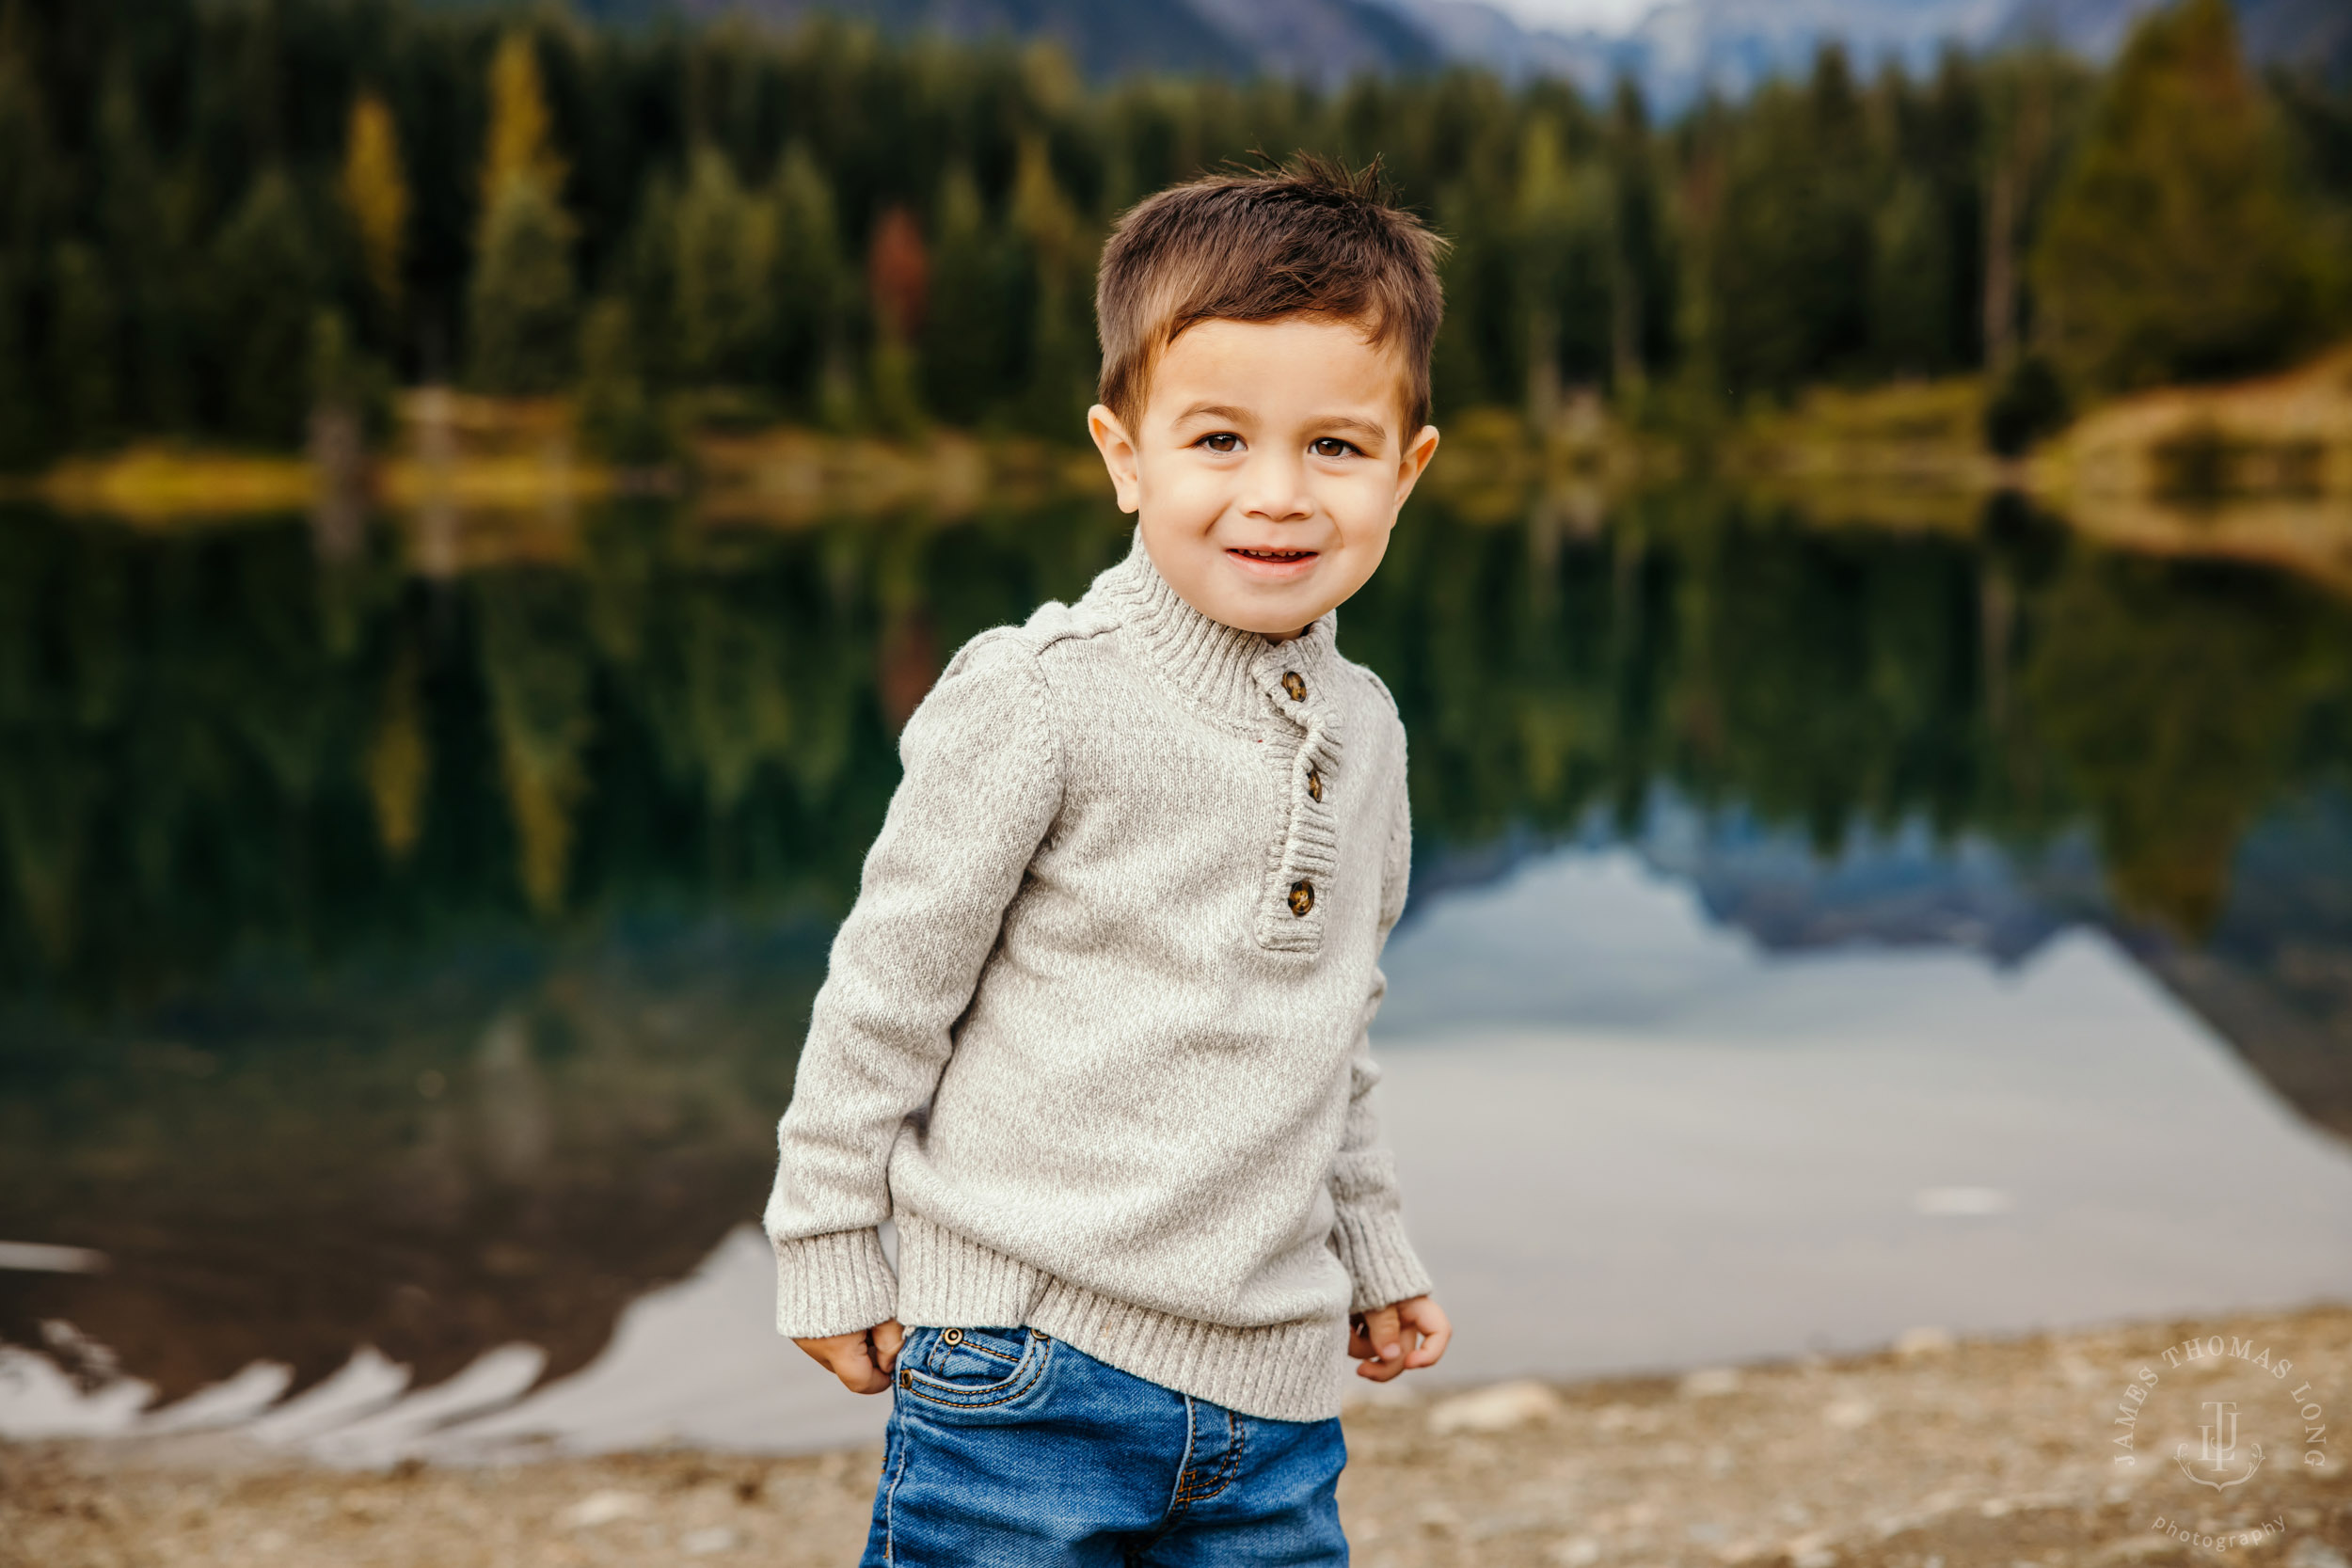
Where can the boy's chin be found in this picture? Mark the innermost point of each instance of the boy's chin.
(1245, 600)
(1281, 620)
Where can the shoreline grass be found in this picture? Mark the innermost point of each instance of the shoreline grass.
(2258, 471)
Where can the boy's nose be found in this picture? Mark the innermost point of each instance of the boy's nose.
(1275, 488)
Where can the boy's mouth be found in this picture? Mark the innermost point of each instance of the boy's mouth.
(1269, 561)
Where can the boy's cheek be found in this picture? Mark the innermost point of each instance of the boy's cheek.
(1364, 509)
(1187, 501)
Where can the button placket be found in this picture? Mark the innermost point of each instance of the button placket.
(1297, 687)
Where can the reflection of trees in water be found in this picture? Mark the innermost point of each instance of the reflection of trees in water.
(2009, 686)
(536, 667)
(382, 961)
(2178, 703)
(199, 729)
(432, 1163)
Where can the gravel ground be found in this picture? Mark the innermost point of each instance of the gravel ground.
(1929, 1454)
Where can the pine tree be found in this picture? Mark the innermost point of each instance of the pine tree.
(85, 345)
(1790, 259)
(144, 235)
(265, 282)
(1546, 223)
(617, 419)
(725, 241)
(521, 300)
(966, 350)
(521, 303)
(1566, 243)
(521, 143)
(812, 350)
(1911, 281)
(376, 193)
(2176, 247)
(1634, 257)
(23, 428)
(26, 190)
(1059, 257)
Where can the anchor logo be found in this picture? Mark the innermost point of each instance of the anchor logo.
(2219, 1449)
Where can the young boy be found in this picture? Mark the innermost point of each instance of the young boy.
(1094, 1034)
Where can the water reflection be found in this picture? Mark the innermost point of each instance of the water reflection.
(415, 959)
(1647, 1139)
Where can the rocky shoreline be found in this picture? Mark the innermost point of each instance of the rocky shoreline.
(1931, 1453)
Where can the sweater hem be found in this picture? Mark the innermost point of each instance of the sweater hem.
(1287, 1371)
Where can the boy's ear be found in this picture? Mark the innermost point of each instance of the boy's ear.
(1415, 462)
(1119, 456)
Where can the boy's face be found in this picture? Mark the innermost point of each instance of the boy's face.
(1268, 467)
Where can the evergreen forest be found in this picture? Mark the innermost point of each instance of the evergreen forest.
(217, 216)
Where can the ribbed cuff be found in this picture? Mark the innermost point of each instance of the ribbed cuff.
(1378, 1258)
(838, 1283)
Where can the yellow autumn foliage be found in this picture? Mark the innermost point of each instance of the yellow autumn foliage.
(375, 190)
(521, 143)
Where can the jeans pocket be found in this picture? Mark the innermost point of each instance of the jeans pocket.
(972, 1369)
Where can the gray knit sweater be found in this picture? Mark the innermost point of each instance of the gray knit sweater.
(1094, 1032)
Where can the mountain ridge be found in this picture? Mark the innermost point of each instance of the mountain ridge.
(1679, 52)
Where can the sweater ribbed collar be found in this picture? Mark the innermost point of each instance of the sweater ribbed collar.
(1224, 668)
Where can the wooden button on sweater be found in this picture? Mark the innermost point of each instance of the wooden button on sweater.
(1302, 898)
(1292, 684)
(1314, 784)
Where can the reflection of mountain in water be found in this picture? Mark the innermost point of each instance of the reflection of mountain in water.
(2275, 974)
(1900, 891)
(2273, 977)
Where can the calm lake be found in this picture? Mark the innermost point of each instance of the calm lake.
(1817, 934)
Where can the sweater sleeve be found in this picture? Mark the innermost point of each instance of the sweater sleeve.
(980, 786)
(1368, 1230)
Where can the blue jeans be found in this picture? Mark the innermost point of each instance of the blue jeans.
(1009, 1449)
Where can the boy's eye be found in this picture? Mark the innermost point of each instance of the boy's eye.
(1330, 446)
(1224, 440)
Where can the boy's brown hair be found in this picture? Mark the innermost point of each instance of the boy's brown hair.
(1312, 238)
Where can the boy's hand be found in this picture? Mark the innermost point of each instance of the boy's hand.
(862, 1360)
(1387, 1340)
